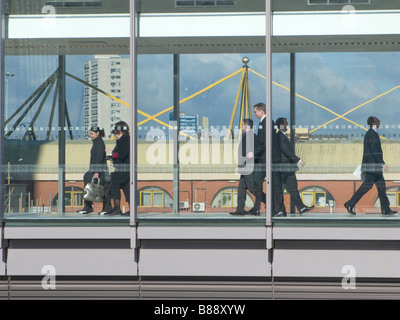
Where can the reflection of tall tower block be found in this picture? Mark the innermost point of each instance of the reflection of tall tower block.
(205, 123)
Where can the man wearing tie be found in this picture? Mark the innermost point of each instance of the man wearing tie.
(245, 166)
(288, 165)
(259, 158)
(372, 165)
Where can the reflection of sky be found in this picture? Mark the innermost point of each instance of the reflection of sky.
(336, 81)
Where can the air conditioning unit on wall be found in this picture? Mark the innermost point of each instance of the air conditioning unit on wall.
(183, 204)
(199, 206)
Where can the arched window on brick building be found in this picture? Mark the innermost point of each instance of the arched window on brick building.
(393, 194)
(317, 196)
(227, 198)
(154, 197)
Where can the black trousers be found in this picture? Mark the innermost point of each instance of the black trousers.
(371, 179)
(277, 193)
(289, 181)
(259, 177)
(119, 180)
(246, 182)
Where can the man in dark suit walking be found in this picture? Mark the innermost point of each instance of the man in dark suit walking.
(245, 166)
(259, 158)
(372, 166)
(288, 165)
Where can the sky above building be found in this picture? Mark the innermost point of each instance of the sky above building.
(328, 85)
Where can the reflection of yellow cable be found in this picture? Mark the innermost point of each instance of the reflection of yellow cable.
(361, 105)
(190, 97)
(125, 103)
(327, 109)
(236, 103)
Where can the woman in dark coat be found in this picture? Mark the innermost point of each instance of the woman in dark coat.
(120, 158)
(97, 170)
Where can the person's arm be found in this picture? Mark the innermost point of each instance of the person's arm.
(286, 150)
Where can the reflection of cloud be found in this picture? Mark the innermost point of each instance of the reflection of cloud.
(335, 82)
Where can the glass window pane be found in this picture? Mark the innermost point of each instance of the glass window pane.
(392, 198)
(158, 199)
(308, 198)
(58, 84)
(145, 199)
(320, 199)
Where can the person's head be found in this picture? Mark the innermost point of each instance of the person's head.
(373, 121)
(95, 132)
(281, 123)
(259, 110)
(120, 128)
(247, 124)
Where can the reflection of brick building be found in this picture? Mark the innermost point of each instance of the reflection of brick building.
(326, 179)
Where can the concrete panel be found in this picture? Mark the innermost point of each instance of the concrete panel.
(337, 263)
(204, 262)
(75, 232)
(235, 233)
(68, 262)
(336, 233)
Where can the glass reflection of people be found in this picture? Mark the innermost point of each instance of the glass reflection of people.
(371, 167)
(97, 170)
(120, 176)
(259, 158)
(245, 166)
(288, 165)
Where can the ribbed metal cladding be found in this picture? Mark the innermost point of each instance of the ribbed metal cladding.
(167, 289)
(77, 289)
(365, 290)
(205, 289)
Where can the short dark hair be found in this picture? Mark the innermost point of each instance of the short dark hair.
(260, 106)
(249, 122)
(371, 120)
(121, 127)
(97, 129)
(280, 121)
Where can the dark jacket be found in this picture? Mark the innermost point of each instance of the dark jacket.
(246, 145)
(288, 160)
(120, 154)
(259, 146)
(372, 160)
(98, 156)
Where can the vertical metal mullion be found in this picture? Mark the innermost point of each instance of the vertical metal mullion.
(292, 111)
(268, 103)
(2, 34)
(133, 150)
(61, 135)
(176, 134)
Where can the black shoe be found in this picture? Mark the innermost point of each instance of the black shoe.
(349, 208)
(388, 212)
(105, 210)
(237, 213)
(253, 212)
(126, 214)
(305, 209)
(280, 214)
(113, 212)
(85, 210)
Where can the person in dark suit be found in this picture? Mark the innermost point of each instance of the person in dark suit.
(288, 165)
(121, 160)
(259, 158)
(245, 166)
(97, 170)
(371, 167)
